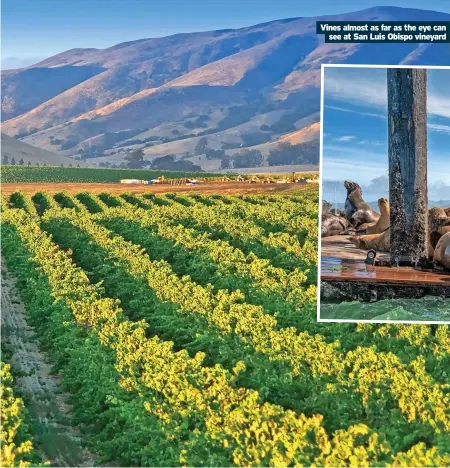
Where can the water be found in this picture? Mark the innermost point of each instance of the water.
(428, 308)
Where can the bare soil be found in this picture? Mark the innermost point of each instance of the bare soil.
(50, 413)
(207, 187)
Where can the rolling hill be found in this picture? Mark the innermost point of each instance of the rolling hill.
(12, 148)
(243, 89)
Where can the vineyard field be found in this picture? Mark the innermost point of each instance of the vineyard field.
(183, 325)
(16, 445)
(18, 173)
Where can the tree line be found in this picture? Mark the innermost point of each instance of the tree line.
(6, 160)
(135, 160)
(285, 153)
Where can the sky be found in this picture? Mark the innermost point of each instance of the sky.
(36, 29)
(355, 144)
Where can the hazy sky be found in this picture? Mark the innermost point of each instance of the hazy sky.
(355, 142)
(36, 29)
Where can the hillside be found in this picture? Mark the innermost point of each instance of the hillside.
(309, 133)
(242, 89)
(18, 150)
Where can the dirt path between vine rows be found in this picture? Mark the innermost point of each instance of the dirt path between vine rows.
(59, 442)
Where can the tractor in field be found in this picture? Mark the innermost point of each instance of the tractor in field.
(159, 180)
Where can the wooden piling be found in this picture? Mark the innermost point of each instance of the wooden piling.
(408, 192)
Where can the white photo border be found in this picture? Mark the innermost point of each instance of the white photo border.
(319, 266)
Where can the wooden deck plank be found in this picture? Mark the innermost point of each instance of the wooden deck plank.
(342, 261)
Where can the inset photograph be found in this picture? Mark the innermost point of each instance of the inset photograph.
(385, 194)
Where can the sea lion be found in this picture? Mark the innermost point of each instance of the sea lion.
(349, 208)
(333, 225)
(438, 225)
(357, 211)
(326, 207)
(364, 213)
(337, 212)
(383, 221)
(441, 256)
(381, 242)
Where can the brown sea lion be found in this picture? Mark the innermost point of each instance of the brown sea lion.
(326, 207)
(383, 221)
(438, 225)
(364, 213)
(338, 212)
(333, 225)
(349, 208)
(381, 242)
(442, 252)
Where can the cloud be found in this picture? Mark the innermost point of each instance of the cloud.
(439, 191)
(362, 169)
(353, 155)
(440, 128)
(433, 127)
(439, 104)
(357, 85)
(354, 111)
(371, 143)
(345, 138)
(380, 183)
(368, 88)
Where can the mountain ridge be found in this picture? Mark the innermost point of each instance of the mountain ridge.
(187, 85)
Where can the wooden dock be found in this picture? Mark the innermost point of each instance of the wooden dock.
(342, 266)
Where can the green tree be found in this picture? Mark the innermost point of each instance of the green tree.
(214, 154)
(13, 161)
(201, 146)
(248, 158)
(135, 159)
(21, 162)
(226, 162)
(5, 159)
(256, 158)
(303, 153)
(169, 163)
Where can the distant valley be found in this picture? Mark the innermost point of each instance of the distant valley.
(214, 100)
